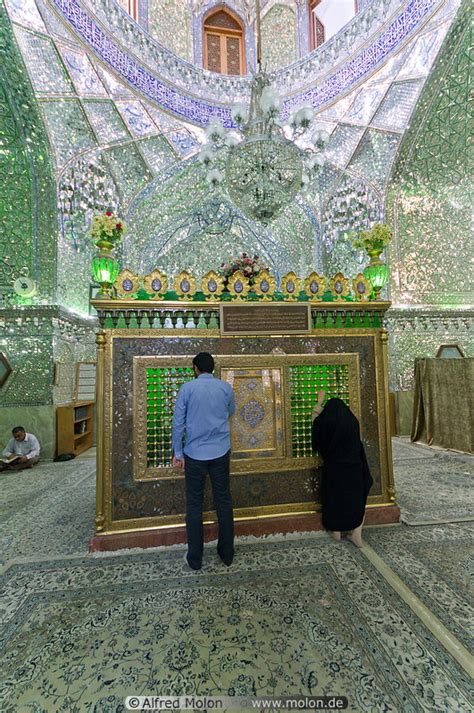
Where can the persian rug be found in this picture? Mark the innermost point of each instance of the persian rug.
(404, 449)
(307, 616)
(437, 564)
(47, 511)
(435, 490)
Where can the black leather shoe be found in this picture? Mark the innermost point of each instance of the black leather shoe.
(189, 564)
(226, 560)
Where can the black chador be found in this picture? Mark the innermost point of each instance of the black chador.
(346, 478)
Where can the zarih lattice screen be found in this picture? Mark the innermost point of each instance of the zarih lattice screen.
(275, 396)
(162, 386)
(304, 384)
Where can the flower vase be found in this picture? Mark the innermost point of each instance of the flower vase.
(105, 244)
(376, 271)
(105, 267)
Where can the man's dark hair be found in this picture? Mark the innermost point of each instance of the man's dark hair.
(204, 362)
(17, 429)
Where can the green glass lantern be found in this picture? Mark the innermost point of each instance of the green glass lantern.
(107, 231)
(105, 270)
(377, 273)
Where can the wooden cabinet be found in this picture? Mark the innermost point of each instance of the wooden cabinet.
(75, 427)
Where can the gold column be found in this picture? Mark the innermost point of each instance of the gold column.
(100, 505)
(388, 437)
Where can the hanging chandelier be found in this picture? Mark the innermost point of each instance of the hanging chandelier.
(260, 161)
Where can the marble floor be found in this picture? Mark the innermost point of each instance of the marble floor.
(388, 626)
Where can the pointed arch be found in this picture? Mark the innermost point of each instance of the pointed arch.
(223, 42)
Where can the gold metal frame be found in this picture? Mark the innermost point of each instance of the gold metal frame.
(212, 275)
(238, 277)
(148, 284)
(270, 381)
(105, 340)
(184, 276)
(137, 305)
(264, 276)
(320, 281)
(127, 275)
(292, 278)
(361, 279)
(339, 277)
(141, 472)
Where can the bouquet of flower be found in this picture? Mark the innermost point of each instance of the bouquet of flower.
(249, 266)
(107, 226)
(373, 240)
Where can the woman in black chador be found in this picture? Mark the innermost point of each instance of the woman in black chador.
(346, 478)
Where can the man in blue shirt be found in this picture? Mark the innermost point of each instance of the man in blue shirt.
(201, 414)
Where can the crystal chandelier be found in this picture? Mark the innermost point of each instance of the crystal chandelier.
(260, 161)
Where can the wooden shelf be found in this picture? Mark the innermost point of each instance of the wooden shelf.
(67, 418)
(81, 435)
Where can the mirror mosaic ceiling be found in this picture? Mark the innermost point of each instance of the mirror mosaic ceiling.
(125, 117)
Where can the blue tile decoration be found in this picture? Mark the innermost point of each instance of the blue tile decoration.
(183, 142)
(367, 60)
(83, 74)
(136, 118)
(198, 111)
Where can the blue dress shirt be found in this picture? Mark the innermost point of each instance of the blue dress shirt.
(201, 412)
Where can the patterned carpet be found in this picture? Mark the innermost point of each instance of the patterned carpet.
(47, 511)
(302, 615)
(290, 617)
(437, 564)
(432, 485)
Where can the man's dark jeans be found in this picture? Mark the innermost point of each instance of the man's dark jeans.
(195, 475)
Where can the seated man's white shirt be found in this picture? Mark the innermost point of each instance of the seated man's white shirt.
(28, 447)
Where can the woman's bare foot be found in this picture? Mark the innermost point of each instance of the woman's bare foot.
(335, 534)
(356, 536)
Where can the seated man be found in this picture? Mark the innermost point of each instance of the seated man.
(22, 451)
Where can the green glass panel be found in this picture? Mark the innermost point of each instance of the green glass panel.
(162, 386)
(305, 382)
